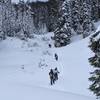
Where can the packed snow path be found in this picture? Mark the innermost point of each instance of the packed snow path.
(24, 68)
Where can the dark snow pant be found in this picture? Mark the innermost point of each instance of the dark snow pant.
(56, 58)
(52, 80)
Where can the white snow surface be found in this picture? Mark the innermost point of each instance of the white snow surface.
(24, 68)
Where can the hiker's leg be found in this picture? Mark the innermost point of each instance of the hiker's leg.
(50, 81)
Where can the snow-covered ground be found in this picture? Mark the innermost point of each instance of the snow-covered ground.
(24, 68)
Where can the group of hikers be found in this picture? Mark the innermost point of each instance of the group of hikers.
(53, 74)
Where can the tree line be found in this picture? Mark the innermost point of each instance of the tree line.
(63, 17)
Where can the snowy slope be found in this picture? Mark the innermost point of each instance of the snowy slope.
(75, 67)
(30, 92)
(24, 68)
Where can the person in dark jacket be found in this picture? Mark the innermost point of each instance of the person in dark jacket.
(56, 72)
(51, 74)
(56, 57)
(50, 46)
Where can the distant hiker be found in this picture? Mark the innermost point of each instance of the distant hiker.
(51, 74)
(56, 72)
(49, 45)
(56, 57)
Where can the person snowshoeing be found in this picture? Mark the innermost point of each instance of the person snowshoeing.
(56, 57)
(51, 74)
(56, 72)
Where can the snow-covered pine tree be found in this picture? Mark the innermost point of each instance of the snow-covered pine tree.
(75, 14)
(14, 20)
(1, 20)
(95, 9)
(28, 26)
(95, 62)
(22, 20)
(53, 7)
(62, 33)
(87, 23)
(7, 17)
(81, 17)
(21, 12)
(40, 17)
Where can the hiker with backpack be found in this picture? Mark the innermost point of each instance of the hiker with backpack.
(53, 75)
(56, 57)
(56, 72)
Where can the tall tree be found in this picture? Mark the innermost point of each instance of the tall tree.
(88, 25)
(1, 16)
(95, 9)
(53, 10)
(7, 17)
(95, 62)
(75, 14)
(62, 32)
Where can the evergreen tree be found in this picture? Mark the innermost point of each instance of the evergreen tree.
(62, 32)
(95, 9)
(75, 14)
(87, 22)
(7, 17)
(1, 19)
(95, 62)
(53, 10)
